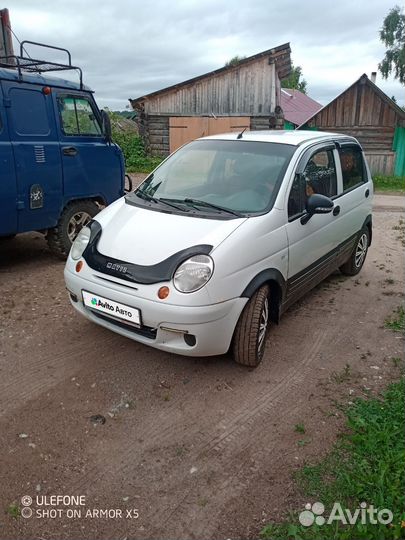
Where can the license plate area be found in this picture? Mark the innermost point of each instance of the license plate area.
(113, 309)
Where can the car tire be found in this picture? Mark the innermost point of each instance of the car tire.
(356, 260)
(73, 218)
(250, 333)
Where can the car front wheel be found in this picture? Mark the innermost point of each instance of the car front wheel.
(249, 339)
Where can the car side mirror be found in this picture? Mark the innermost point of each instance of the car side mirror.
(106, 126)
(317, 204)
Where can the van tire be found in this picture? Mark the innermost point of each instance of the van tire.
(356, 260)
(249, 339)
(61, 237)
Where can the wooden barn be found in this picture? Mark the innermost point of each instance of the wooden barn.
(364, 111)
(234, 97)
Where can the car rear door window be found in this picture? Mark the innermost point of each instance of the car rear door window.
(353, 168)
(77, 116)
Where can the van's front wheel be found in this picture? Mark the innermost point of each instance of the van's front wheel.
(74, 217)
(249, 339)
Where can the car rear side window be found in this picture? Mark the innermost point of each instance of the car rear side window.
(77, 116)
(353, 168)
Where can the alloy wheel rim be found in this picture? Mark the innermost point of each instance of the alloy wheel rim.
(361, 250)
(76, 224)
(263, 322)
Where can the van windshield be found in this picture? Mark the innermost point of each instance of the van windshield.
(236, 177)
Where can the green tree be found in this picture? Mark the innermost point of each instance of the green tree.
(392, 35)
(295, 80)
(234, 61)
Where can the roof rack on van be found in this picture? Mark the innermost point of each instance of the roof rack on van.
(26, 63)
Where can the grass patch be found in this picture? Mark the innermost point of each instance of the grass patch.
(389, 183)
(13, 510)
(397, 321)
(366, 465)
(342, 376)
(299, 428)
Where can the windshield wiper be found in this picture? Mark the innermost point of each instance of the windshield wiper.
(198, 202)
(169, 201)
(156, 200)
(143, 195)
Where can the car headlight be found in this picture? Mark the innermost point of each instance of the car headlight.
(80, 243)
(193, 274)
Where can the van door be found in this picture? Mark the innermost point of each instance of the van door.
(312, 245)
(8, 181)
(32, 131)
(92, 168)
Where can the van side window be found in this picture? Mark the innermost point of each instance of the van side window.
(77, 116)
(320, 174)
(29, 113)
(353, 169)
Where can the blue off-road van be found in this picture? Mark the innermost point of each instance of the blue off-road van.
(58, 165)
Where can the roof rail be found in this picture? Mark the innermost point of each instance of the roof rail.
(27, 64)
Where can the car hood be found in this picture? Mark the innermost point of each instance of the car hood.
(145, 237)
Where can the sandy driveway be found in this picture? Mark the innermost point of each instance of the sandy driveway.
(201, 448)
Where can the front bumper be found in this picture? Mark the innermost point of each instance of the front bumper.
(164, 325)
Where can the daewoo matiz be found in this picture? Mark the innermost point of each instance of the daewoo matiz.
(222, 238)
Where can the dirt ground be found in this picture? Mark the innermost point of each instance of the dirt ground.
(201, 448)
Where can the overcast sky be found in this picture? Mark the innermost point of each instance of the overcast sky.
(130, 48)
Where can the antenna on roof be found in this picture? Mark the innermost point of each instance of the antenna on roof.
(241, 133)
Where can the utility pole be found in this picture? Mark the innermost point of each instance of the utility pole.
(6, 41)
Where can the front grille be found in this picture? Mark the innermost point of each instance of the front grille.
(145, 331)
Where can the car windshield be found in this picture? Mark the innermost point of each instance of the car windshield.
(212, 176)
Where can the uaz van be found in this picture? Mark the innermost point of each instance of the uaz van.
(58, 163)
(222, 238)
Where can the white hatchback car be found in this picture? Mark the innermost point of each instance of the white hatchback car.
(222, 238)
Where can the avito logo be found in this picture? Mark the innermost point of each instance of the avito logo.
(94, 301)
(365, 514)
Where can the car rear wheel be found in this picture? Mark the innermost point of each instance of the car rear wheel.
(74, 217)
(249, 339)
(355, 263)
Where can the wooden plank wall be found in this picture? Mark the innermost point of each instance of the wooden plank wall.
(359, 106)
(247, 89)
(361, 113)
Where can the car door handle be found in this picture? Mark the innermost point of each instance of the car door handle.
(336, 211)
(367, 193)
(69, 151)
